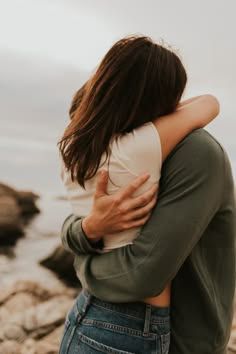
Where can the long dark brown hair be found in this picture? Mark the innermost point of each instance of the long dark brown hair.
(137, 80)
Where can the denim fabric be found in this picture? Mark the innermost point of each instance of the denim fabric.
(96, 326)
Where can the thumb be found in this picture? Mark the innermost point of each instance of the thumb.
(101, 186)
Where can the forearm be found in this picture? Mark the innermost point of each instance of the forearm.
(201, 109)
(189, 100)
(172, 128)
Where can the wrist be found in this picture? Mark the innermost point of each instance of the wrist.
(89, 229)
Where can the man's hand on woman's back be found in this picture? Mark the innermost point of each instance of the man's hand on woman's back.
(120, 211)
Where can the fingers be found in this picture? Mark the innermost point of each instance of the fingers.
(137, 223)
(133, 186)
(101, 185)
(142, 212)
(143, 199)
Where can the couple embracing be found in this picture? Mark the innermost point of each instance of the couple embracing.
(152, 227)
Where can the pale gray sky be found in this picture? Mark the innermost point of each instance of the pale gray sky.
(48, 48)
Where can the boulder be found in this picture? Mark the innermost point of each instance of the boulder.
(16, 208)
(11, 224)
(26, 201)
(60, 262)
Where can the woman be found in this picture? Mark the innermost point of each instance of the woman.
(128, 118)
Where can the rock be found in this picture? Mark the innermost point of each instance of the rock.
(12, 331)
(10, 347)
(11, 226)
(16, 207)
(61, 262)
(27, 287)
(26, 201)
(50, 343)
(32, 317)
(15, 304)
(29, 347)
(40, 319)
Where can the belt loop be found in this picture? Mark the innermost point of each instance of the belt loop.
(86, 302)
(85, 305)
(147, 320)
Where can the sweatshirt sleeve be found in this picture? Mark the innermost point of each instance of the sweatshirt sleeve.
(191, 193)
(75, 240)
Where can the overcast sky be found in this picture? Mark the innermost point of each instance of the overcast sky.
(49, 47)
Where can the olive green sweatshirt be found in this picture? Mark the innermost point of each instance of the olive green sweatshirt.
(189, 239)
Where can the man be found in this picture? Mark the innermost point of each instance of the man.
(189, 239)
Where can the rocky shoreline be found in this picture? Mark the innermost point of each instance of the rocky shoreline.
(32, 315)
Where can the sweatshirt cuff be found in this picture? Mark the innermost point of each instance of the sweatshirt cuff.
(85, 245)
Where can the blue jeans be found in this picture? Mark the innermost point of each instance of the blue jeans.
(96, 326)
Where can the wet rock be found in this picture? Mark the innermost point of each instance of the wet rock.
(16, 207)
(61, 262)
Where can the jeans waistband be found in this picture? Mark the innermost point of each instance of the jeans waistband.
(140, 310)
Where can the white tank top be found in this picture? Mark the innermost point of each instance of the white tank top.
(132, 154)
